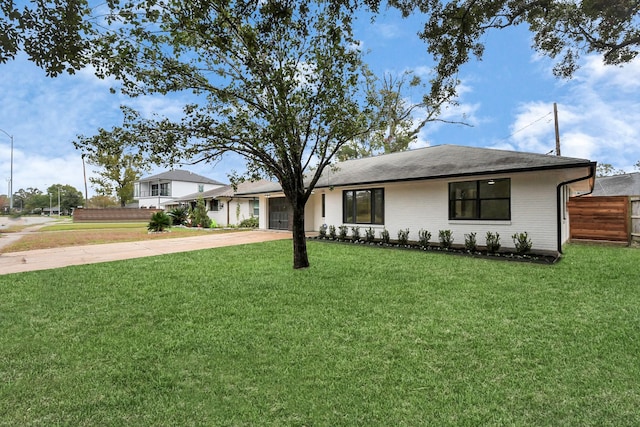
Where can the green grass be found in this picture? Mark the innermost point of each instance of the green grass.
(94, 226)
(366, 336)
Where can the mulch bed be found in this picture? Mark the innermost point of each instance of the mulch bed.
(454, 250)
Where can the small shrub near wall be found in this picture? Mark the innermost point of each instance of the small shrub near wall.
(446, 238)
(355, 233)
(384, 236)
(470, 243)
(493, 242)
(522, 243)
(521, 240)
(423, 238)
(403, 237)
(369, 235)
(342, 232)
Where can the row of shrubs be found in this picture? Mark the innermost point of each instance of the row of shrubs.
(521, 241)
(184, 216)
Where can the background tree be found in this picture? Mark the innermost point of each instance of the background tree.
(119, 166)
(70, 197)
(637, 165)
(606, 169)
(397, 119)
(102, 202)
(31, 199)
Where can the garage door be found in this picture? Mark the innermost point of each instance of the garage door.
(278, 214)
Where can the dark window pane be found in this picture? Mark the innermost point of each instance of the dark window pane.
(501, 188)
(348, 207)
(463, 209)
(363, 206)
(378, 203)
(462, 190)
(494, 209)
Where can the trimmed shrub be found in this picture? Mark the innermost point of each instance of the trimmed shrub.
(522, 242)
(342, 232)
(493, 242)
(355, 233)
(403, 237)
(384, 236)
(332, 232)
(423, 238)
(470, 243)
(446, 238)
(199, 217)
(248, 223)
(369, 235)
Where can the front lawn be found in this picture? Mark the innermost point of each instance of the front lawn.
(234, 336)
(77, 234)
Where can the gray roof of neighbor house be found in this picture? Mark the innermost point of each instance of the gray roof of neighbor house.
(440, 161)
(181, 175)
(226, 191)
(618, 185)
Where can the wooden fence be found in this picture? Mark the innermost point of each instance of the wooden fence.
(634, 206)
(603, 218)
(113, 215)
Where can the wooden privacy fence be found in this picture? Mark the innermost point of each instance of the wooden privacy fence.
(606, 218)
(634, 205)
(113, 215)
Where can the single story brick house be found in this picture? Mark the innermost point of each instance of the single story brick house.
(223, 204)
(444, 187)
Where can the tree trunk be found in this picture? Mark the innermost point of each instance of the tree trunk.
(300, 257)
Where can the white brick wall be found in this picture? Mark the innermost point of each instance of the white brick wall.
(424, 205)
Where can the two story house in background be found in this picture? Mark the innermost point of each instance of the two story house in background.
(168, 190)
(158, 191)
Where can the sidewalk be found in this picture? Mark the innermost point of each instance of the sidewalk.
(43, 259)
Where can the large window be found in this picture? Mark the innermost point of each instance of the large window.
(160, 190)
(486, 199)
(363, 206)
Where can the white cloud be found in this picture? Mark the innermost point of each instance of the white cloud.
(597, 117)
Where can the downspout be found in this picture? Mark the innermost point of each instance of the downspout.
(592, 173)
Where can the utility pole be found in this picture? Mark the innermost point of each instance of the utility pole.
(555, 116)
(11, 176)
(86, 193)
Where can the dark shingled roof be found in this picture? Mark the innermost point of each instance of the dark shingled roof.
(440, 161)
(247, 187)
(618, 185)
(181, 175)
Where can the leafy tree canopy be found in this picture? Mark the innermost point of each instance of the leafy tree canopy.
(606, 169)
(563, 30)
(120, 163)
(397, 119)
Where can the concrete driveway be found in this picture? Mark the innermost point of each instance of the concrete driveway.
(43, 259)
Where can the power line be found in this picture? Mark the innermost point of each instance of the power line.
(527, 126)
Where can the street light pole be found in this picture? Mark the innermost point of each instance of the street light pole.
(11, 176)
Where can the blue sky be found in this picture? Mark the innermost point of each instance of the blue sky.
(507, 98)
